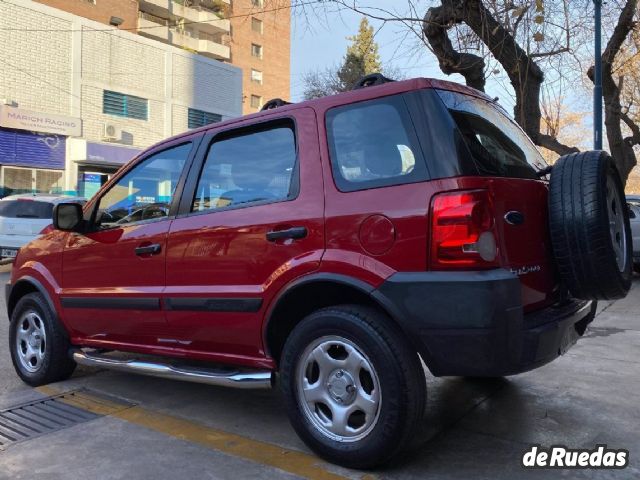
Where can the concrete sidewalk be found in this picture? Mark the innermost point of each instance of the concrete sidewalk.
(473, 429)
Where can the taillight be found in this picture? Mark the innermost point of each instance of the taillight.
(462, 231)
(47, 229)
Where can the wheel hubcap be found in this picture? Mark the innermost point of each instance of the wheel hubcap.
(31, 341)
(617, 225)
(338, 389)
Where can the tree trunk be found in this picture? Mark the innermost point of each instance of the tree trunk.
(525, 74)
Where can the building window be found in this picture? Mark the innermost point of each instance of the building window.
(256, 50)
(256, 101)
(257, 3)
(256, 25)
(256, 76)
(123, 105)
(200, 118)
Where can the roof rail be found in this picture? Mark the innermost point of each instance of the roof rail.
(371, 80)
(274, 103)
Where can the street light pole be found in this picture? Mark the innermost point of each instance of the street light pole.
(597, 89)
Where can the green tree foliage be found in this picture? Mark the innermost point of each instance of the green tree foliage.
(362, 58)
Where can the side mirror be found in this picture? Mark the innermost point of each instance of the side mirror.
(67, 216)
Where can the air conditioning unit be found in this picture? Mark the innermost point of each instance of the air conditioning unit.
(111, 132)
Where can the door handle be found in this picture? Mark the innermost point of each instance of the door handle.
(294, 233)
(152, 249)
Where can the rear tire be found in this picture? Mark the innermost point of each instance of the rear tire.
(354, 388)
(589, 225)
(38, 342)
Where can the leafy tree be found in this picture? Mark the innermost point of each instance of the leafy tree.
(362, 58)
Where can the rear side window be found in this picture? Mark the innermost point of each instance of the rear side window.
(26, 209)
(247, 168)
(373, 144)
(498, 147)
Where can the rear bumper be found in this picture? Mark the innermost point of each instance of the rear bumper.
(472, 323)
(15, 241)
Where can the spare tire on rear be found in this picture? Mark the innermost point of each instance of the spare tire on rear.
(589, 226)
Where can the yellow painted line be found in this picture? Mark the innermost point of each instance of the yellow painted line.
(291, 461)
(81, 400)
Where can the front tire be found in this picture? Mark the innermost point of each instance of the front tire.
(354, 388)
(38, 342)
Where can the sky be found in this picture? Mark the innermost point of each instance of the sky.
(321, 42)
(318, 43)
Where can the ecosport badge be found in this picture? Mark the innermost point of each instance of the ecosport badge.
(526, 269)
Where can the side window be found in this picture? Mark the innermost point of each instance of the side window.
(255, 166)
(146, 191)
(373, 144)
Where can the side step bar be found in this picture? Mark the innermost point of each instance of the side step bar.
(248, 379)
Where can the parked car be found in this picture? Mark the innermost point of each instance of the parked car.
(333, 247)
(633, 201)
(23, 217)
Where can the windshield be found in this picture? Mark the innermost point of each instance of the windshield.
(497, 145)
(26, 208)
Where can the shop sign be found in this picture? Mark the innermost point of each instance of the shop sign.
(20, 119)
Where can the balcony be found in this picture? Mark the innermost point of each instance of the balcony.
(159, 8)
(204, 19)
(214, 50)
(153, 27)
(185, 41)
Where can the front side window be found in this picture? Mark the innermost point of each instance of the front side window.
(146, 191)
(373, 144)
(248, 168)
(497, 145)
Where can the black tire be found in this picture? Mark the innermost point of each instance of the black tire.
(397, 369)
(636, 267)
(55, 364)
(581, 236)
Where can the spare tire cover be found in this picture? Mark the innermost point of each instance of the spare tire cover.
(589, 226)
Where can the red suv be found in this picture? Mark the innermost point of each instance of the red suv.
(338, 246)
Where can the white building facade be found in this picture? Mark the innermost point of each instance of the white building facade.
(78, 98)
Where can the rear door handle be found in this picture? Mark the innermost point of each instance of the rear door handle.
(152, 249)
(294, 233)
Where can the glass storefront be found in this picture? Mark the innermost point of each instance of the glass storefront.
(16, 180)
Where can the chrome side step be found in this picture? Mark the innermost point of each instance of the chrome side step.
(248, 379)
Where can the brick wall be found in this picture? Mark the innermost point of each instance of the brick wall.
(276, 47)
(100, 10)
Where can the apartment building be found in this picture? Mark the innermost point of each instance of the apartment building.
(261, 46)
(251, 34)
(79, 98)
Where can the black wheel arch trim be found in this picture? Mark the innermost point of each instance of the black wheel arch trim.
(377, 297)
(10, 288)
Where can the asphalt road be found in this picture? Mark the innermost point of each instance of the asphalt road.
(156, 429)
